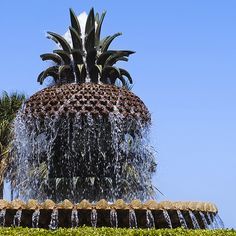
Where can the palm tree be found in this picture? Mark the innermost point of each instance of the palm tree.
(9, 105)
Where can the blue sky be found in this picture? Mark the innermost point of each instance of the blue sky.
(184, 70)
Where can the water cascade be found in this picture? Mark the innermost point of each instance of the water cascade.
(204, 220)
(2, 217)
(181, 219)
(74, 218)
(136, 214)
(54, 219)
(113, 218)
(150, 219)
(94, 217)
(167, 218)
(105, 153)
(132, 219)
(81, 153)
(194, 220)
(17, 218)
(35, 218)
(219, 222)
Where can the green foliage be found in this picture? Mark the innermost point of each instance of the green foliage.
(9, 105)
(88, 231)
(88, 57)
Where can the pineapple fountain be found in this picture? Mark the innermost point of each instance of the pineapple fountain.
(85, 137)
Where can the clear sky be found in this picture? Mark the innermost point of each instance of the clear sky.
(184, 70)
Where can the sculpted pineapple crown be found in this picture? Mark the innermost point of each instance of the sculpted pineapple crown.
(88, 59)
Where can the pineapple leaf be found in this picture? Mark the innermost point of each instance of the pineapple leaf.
(59, 39)
(91, 58)
(80, 68)
(102, 42)
(51, 71)
(64, 55)
(108, 41)
(99, 26)
(90, 40)
(103, 57)
(124, 84)
(62, 70)
(76, 41)
(90, 23)
(77, 56)
(126, 74)
(99, 68)
(111, 72)
(51, 56)
(74, 22)
(96, 18)
(115, 57)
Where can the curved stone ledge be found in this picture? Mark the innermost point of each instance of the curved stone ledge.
(103, 204)
(150, 214)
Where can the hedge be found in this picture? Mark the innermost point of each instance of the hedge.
(88, 231)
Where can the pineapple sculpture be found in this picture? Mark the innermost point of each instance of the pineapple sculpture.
(83, 136)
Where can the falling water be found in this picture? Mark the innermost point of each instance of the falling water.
(219, 222)
(181, 219)
(167, 218)
(2, 217)
(74, 218)
(35, 218)
(94, 217)
(212, 224)
(113, 218)
(150, 219)
(204, 220)
(194, 220)
(132, 219)
(17, 218)
(82, 158)
(54, 220)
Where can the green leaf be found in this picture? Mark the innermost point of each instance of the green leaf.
(99, 68)
(77, 56)
(91, 57)
(51, 71)
(76, 40)
(58, 38)
(90, 40)
(74, 22)
(110, 72)
(116, 57)
(126, 74)
(90, 23)
(102, 42)
(64, 55)
(51, 56)
(81, 71)
(99, 26)
(63, 69)
(122, 81)
(103, 57)
(108, 41)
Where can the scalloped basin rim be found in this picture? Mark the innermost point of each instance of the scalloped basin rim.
(119, 204)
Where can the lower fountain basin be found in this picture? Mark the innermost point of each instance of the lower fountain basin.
(190, 215)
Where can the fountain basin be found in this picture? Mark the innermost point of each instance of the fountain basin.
(190, 215)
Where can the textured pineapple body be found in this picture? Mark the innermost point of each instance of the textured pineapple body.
(83, 141)
(84, 99)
